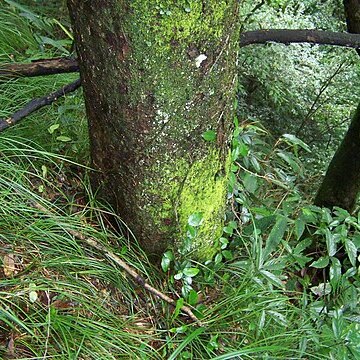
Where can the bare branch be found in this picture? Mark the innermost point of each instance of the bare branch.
(39, 68)
(287, 37)
(284, 36)
(37, 104)
(123, 265)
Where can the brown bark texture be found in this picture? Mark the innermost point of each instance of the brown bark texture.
(352, 13)
(341, 184)
(156, 76)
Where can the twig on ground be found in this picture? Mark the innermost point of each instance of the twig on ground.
(123, 265)
(37, 104)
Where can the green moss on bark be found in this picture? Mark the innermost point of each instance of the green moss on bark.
(149, 99)
(204, 191)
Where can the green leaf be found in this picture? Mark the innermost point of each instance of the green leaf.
(224, 243)
(243, 149)
(213, 343)
(193, 297)
(179, 305)
(321, 262)
(275, 236)
(342, 214)
(169, 254)
(335, 272)
(209, 135)
(356, 240)
(250, 183)
(272, 278)
(299, 227)
(188, 339)
(330, 242)
(195, 219)
(165, 263)
(232, 224)
(255, 164)
(292, 139)
(351, 251)
(302, 260)
(227, 254)
(218, 258)
(179, 275)
(287, 157)
(63, 138)
(52, 128)
(228, 230)
(191, 272)
(302, 245)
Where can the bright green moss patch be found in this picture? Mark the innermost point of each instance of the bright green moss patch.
(185, 191)
(204, 191)
(178, 21)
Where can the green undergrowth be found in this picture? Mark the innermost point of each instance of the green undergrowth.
(62, 299)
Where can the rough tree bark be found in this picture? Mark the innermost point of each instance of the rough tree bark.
(156, 76)
(341, 184)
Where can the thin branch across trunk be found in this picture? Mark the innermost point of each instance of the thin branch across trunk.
(283, 36)
(37, 104)
(287, 37)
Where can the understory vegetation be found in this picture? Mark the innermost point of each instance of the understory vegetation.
(61, 298)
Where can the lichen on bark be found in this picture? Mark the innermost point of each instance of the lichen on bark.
(157, 75)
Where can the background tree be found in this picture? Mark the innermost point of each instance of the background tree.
(341, 184)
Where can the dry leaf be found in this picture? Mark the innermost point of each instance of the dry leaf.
(9, 265)
(11, 347)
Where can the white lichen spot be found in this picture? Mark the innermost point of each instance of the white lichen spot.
(200, 59)
(163, 117)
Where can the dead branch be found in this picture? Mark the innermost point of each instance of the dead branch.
(123, 265)
(37, 104)
(283, 36)
(39, 68)
(287, 37)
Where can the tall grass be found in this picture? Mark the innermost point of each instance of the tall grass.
(61, 299)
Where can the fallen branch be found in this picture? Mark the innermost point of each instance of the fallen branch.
(39, 68)
(287, 37)
(38, 103)
(123, 265)
(284, 36)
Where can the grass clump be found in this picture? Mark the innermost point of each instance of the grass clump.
(60, 298)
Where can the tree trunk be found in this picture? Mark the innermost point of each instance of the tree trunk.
(352, 13)
(156, 76)
(341, 184)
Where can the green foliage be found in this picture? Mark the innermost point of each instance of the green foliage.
(309, 91)
(59, 298)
